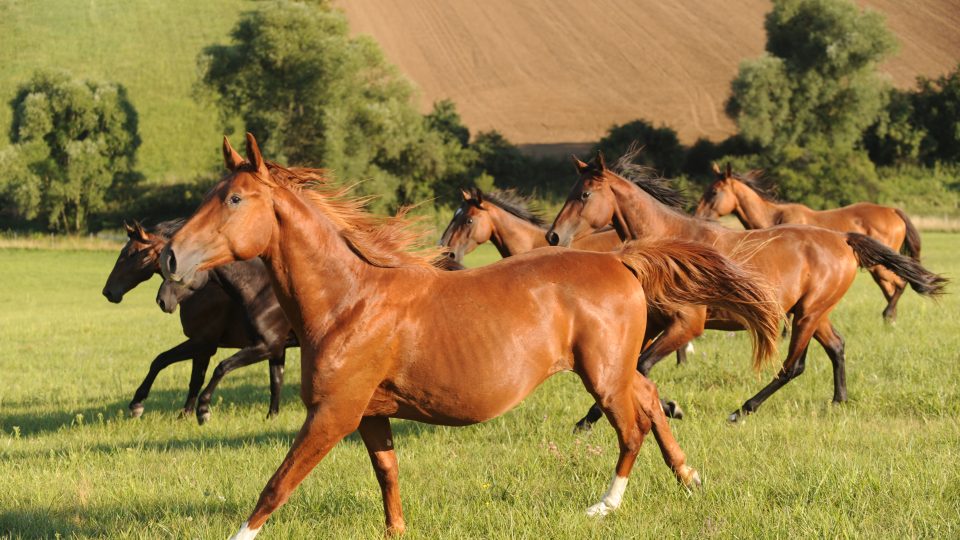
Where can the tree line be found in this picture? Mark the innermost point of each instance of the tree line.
(814, 112)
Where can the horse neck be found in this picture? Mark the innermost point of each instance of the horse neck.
(513, 235)
(752, 210)
(642, 216)
(315, 274)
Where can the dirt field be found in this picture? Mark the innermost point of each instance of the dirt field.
(549, 72)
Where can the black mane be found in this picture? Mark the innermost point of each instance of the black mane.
(656, 186)
(166, 229)
(757, 182)
(516, 204)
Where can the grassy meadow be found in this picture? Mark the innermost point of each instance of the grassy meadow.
(72, 464)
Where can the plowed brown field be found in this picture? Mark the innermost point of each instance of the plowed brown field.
(548, 72)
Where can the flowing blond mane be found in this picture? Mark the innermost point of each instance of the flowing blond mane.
(386, 242)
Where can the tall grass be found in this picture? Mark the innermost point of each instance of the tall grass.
(72, 464)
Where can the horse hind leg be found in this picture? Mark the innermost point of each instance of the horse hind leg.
(892, 287)
(833, 344)
(632, 412)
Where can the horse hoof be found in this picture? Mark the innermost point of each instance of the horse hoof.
(272, 414)
(600, 509)
(185, 413)
(673, 410)
(136, 410)
(582, 426)
(690, 478)
(202, 416)
(735, 417)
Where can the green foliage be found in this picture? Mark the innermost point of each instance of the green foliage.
(924, 190)
(73, 140)
(314, 95)
(661, 148)
(818, 85)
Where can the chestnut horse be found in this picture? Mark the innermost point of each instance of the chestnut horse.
(811, 268)
(211, 318)
(505, 219)
(756, 208)
(385, 334)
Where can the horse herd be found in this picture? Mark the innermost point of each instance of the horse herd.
(278, 257)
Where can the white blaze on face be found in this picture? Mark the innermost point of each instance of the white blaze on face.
(612, 499)
(245, 533)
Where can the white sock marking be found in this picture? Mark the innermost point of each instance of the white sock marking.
(611, 499)
(689, 347)
(245, 533)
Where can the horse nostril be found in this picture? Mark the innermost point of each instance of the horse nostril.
(553, 238)
(452, 255)
(161, 304)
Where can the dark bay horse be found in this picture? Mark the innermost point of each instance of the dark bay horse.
(505, 219)
(810, 268)
(210, 317)
(385, 334)
(267, 331)
(756, 208)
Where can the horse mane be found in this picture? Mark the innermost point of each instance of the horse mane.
(516, 204)
(166, 229)
(644, 177)
(386, 242)
(756, 181)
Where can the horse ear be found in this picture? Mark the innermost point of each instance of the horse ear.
(127, 227)
(136, 232)
(716, 169)
(465, 194)
(231, 158)
(581, 166)
(253, 153)
(599, 161)
(729, 170)
(478, 195)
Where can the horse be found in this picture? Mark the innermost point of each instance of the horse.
(756, 207)
(210, 318)
(267, 331)
(385, 334)
(505, 219)
(811, 268)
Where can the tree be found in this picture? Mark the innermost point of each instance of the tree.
(316, 96)
(661, 148)
(73, 141)
(807, 102)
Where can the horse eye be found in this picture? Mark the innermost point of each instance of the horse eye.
(585, 195)
(469, 221)
(235, 199)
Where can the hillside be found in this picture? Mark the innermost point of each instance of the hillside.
(149, 47)
(562, 71)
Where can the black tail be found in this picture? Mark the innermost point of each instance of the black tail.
(869, 253)
(911, 244)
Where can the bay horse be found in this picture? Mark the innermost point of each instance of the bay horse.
(210, 318)
(385, 334)
(267, 331)
(756, 207)
(505, 219)
(810, 268)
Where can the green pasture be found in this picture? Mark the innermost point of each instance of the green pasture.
(73, 465)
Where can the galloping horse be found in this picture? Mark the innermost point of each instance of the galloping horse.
(211, 318)
(505, 219)
(385, 334)
(756, 208)
(811, 268)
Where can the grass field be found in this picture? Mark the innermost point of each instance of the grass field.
(73, 465)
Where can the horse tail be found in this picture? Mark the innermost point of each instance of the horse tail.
(870, 252)
(911, 244)
(675, 273)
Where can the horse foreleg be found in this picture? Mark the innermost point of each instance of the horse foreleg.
(647, 402)
(243, 357)
(793, 365)
(187, 349)
(324, 427)
(277, 363)
(197, 375)
(376, 435)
